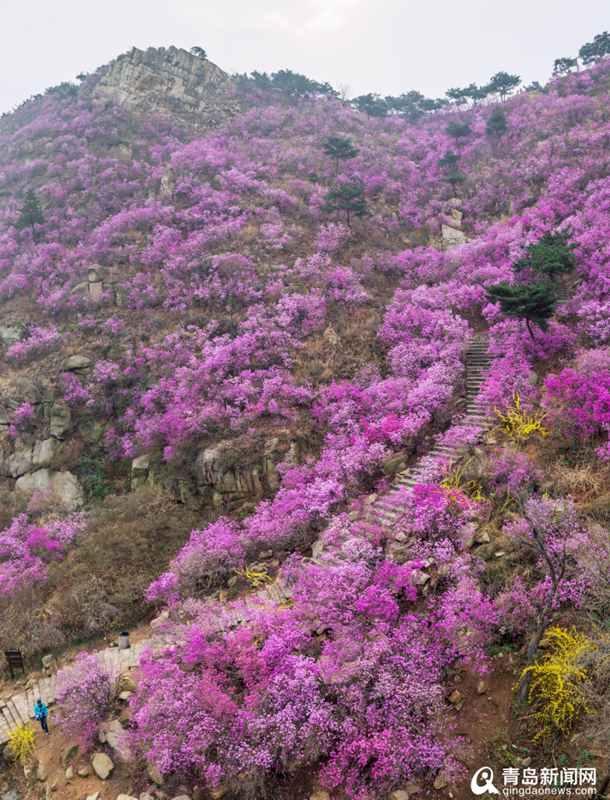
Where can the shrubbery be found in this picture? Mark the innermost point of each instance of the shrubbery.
(84, 693)
(556, 687)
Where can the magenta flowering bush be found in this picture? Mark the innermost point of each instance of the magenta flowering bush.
(84, 692)
(22, 419)
(26, 548)
(39, 340)
(207, 558)
(346, 680)
(579, 399)
(513, 475)
(557, 540)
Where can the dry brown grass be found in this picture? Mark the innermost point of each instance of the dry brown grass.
(99, 588)
(583, 481)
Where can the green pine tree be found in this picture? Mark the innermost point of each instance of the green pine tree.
(496, 124)
(561, 66)
(533, 302)
(339, 149)
(347, 197)
(476, 93)
(594, 51)
(371, 104)
(458, 95)
(458, 130)
(503, 83)
(30, 214)
(549, 257)
(449, 164)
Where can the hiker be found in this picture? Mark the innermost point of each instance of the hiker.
(41, 712)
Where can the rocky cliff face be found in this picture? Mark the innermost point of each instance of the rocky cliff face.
(167, 81)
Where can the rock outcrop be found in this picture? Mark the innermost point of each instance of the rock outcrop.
(167, 81)
(64, 486)
(451, 230)
(227, 478)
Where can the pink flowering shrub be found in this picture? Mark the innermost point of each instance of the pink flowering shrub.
(512, 474)
(22, 419)
(27, 548)
(432, 513)
(331, 237)
(84, 693)
(207, 557)
(345, 681)
(579, 399)
(555, 526)
(39, 340)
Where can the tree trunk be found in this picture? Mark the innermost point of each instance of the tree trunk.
(532, 650)
(529, 328)
(556, 576)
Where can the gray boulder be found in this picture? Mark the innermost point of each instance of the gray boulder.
(60, 419)
(102, 765)
(452, 236)
(43, 452)
(115, 737)
(63, 485)
(77, 362)
(20, 462)
(9, 334)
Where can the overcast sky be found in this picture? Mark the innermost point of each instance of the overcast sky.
(387, 46)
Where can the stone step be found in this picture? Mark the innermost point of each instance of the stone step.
(387, 510)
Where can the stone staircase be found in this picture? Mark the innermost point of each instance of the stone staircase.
(18, 708)
(385, 510)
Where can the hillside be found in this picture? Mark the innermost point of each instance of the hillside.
(226, 338)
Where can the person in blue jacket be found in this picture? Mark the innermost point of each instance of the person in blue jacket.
(41, 712)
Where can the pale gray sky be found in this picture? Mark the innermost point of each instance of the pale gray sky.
(388, 46)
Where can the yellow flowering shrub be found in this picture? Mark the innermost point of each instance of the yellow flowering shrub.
(21, 743)
(256, 576)
(454, 482)
(519, 425)
(556, 681)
